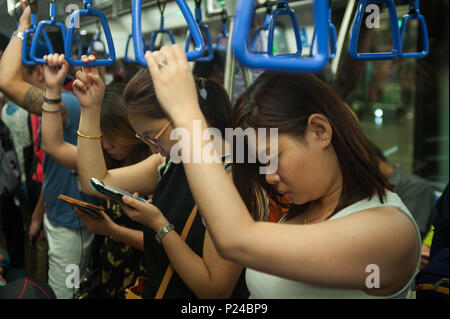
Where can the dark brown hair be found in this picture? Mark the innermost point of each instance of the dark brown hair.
(140, 100)
(116, 127)
(286, 101)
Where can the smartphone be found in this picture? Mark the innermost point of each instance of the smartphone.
(112, 192)
(92, 210)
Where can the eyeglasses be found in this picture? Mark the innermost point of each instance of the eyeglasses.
(154, 141)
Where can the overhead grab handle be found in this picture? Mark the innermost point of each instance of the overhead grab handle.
(25, 51)
(204, 28)
(139, 46)
(224, 35)
(161, 28)
(89, 12)
(97, 39)
(333, 38)
(414, 14)
(40, 30)
(260, 31)
(127, 47)
(283, 8)
(244, 18)
(353, 50)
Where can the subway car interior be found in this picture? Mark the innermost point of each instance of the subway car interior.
(387, 60)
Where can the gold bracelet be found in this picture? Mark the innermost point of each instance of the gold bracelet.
(87, 136)
(50, 111)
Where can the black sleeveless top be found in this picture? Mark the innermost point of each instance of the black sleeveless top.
(173, 197)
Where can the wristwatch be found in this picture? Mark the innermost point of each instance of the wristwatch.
(18, 34)
(163, 232)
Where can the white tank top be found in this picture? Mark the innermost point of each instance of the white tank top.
(264, 286)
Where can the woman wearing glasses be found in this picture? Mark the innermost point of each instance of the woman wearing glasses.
(199, 271)
(347, 234)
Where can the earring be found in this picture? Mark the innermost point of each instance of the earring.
(324, 142)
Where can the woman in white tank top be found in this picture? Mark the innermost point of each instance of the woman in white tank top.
(346, 235)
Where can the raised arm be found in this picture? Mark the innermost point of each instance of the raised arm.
(52, 122)
(141, 177)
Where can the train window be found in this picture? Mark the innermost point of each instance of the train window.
(402, 104)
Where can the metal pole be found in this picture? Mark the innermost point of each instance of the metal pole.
(345, 26)
(230, 61)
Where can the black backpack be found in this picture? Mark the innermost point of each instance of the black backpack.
(9, 164)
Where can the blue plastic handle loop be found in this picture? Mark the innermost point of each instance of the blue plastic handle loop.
(40, 29)
(97, 39)
(244, 18)
(283, 8)
(129, 40)
(160, 31)
(139, 47)
(205, 29)
(88, 12)
(414, 14)
(333, 38)
(259, 32)
(30, 61)
(222, 36)
(353, 50)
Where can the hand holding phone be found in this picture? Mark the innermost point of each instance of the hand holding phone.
(112, 192)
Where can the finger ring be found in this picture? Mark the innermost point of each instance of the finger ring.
(162, 64)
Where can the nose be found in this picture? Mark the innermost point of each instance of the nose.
(272, 179)
(106, 145)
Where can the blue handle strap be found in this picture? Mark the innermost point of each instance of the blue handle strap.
(283, 8)
(333, 38)
(414, 14)
(203, 27)
(259, 32)
(160, 31)
(139, 47)
(39, 31)
(126, 58)
(244, 17)
(88, 12)
(224, 35)
(353, 50)
(25, 59)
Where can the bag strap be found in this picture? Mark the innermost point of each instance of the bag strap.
(169, 272)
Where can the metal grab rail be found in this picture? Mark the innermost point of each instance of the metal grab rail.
(89, 12)
(204, 28)
(353, 50)
(40, 29)
(25, 59)
(244, 16)
(161, 28)
(139, 48)
(414, 14)
(283, 8)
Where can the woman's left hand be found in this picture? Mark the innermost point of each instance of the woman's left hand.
(173, 81)
(100, 227)
(144, 213)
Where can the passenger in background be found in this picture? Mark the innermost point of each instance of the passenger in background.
(119, 260)
(213, 70)
(26, 87)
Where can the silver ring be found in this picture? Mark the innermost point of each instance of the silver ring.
(162, 64)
